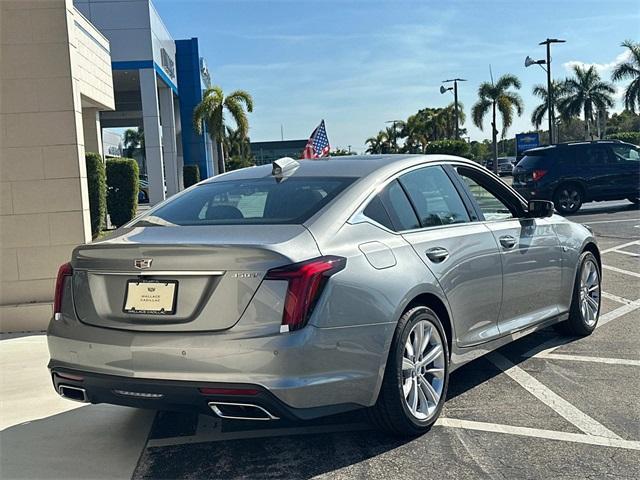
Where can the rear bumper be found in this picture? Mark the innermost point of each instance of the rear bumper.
(180, 395)
(532, 192)
(308, 372)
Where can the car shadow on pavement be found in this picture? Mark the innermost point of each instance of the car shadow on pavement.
(300, 449)
(93, 441)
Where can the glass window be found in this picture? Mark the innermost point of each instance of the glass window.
(399, 208)
(596, 156)
(376, 212)
(491, 206)
(249, 202)
(434, 197)
(625, 153)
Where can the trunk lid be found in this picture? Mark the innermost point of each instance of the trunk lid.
(217, 269)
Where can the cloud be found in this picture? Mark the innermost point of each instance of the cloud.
(602, 68)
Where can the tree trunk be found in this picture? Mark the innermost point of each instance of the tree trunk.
(221, 167)
(494, 138)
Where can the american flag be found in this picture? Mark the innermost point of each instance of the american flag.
(318, 144)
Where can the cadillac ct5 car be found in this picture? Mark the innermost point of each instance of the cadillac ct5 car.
(303, 289)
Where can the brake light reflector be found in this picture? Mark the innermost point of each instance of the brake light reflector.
(306, 282)
(63, 272)
(538, 174)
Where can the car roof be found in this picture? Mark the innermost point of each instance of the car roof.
(575, 144)
(342, 166)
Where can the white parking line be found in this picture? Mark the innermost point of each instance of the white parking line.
(539, 433)
(620, 270)
(585, 358)
(624, 252)
(610, 221)
(618, 247)
(565, 409)
(618, 312)
(616, 298)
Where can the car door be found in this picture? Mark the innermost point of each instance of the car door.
(626, 161)
(530, 252)
(600, 172)
(460, 252)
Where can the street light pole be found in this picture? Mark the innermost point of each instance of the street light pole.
(528, 62)
(455, 100)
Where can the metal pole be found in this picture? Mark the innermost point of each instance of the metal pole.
(549, 93)
(455, 108)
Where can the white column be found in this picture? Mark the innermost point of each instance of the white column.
(179, 146)
(170, 152)
(152, 134)
(92, 131)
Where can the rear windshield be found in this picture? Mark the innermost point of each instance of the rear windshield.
(533, 161)
(249, 202)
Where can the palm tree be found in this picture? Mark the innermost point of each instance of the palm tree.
(631, 70)
(133, 139)
(449, 118)
(235, 144)
(378, 144)
(586, 92)
(211, 112)
(498, 98)
(540, 91)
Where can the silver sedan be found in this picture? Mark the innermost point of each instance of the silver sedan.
(308, 288)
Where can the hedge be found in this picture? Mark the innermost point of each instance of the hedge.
(631, 137)
(97, 185)
(449, 147)
(190, 175)
(122, 189)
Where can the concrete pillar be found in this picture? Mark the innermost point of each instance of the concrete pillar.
(152, 134)
(92, 131)
(170, 153)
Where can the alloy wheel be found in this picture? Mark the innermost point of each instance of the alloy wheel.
(569, 199)
(589, 293)
(423, 370)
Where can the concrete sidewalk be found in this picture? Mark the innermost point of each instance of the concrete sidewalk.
(45, 436)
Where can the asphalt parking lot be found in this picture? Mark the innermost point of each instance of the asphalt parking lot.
(545, 406)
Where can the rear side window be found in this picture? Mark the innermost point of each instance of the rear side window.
(533, 161)
(249, 202)
(434, 197)
(376, 212)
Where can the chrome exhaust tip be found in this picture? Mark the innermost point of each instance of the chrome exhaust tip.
(241, 411)
(76, 394)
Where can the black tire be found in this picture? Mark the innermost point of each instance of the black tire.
(634, 200)
(577, 325)
(391, 413)
(568, 198)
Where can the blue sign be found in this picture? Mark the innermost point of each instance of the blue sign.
(525, 141)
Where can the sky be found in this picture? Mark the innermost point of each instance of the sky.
(358, 64)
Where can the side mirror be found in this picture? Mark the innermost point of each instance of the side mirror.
(540, 209)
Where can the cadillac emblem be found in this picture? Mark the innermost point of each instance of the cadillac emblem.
(142, 263)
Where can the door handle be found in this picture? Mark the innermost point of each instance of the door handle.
(507, 241)
(437, 254)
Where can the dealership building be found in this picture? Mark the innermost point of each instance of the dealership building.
(68, 70)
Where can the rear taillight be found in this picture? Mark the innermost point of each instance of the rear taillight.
(63, 272)
(306, 282)
(538, 174)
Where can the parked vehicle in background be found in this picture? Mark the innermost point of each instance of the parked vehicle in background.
(571, 174)
(143, 191)
(505, 165)
(309, 288)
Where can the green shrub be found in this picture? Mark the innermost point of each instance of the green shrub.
(630, 137)
(190, 175)
(97, 185)
(122, 189)
(449, 147)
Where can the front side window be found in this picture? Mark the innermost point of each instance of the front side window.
(492, 207)
(625, 153)
(434, 197)
(249, 202)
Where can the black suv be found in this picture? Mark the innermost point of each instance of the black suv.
(571, 174)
